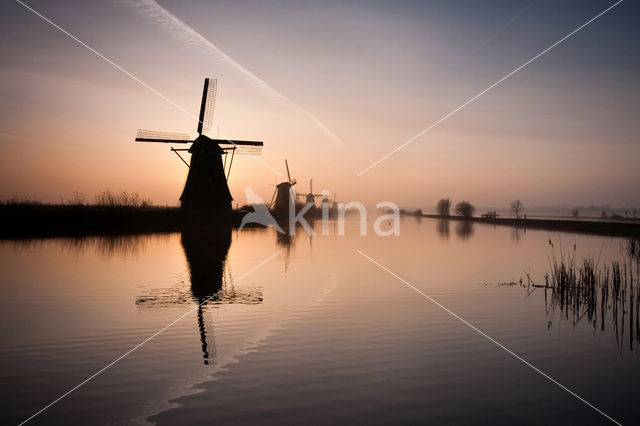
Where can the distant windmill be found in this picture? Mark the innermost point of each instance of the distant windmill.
(206, 186)
(333, 205)
(310, 198)
(284, 195)
(325, 200)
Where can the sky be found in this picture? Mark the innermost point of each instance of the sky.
(332, 87)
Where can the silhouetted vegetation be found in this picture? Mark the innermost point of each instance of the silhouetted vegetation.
(517, 208)
(465, 209)
(104, 198)
(443, 207)
(123, 198)
(77, 199)
(109, 213)
(594, 227)
(403, 212)
(588, 290)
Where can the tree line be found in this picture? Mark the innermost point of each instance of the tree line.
(466, 209)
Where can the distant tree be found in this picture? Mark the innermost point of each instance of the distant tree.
(443, 207)
(419, 212)
(465, 208)
(516, 208)
(604, 214)
(575, 212)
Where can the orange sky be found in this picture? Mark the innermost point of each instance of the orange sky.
(563, 131)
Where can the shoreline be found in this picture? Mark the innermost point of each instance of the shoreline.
(582, 226)
(55, 220)
(52, 220)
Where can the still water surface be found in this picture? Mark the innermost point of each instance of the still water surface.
(317, 334)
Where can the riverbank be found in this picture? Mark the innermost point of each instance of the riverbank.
(596, 227)
(55, 220)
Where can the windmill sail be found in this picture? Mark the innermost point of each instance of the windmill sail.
(206, 185)
(241, 147)
(207, 106)
(210, 106)
(166, 137)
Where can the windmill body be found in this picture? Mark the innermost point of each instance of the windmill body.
(206, 186)
(310, 198)
(284, 196)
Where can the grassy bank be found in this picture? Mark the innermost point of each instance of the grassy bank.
(23, 220)
(597, 227)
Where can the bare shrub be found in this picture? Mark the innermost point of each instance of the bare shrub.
(465, 208)
(443, 207)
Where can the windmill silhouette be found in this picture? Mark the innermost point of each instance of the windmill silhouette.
(310, 198)
(206, 185)
(284, 196)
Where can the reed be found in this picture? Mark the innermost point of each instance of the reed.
(588, 290)
(633, 248)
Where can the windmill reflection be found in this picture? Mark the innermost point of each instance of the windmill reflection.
(286, 240)
(211, 283)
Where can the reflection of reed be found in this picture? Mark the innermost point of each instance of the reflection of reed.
(633, 248)
(107, 246)
(125, 246)
(589, 291)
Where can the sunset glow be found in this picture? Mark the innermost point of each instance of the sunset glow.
(332, 88)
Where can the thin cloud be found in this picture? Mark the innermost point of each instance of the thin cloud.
(151, 10)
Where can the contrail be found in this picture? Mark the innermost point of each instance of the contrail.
(151, 10)
(507, 24)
